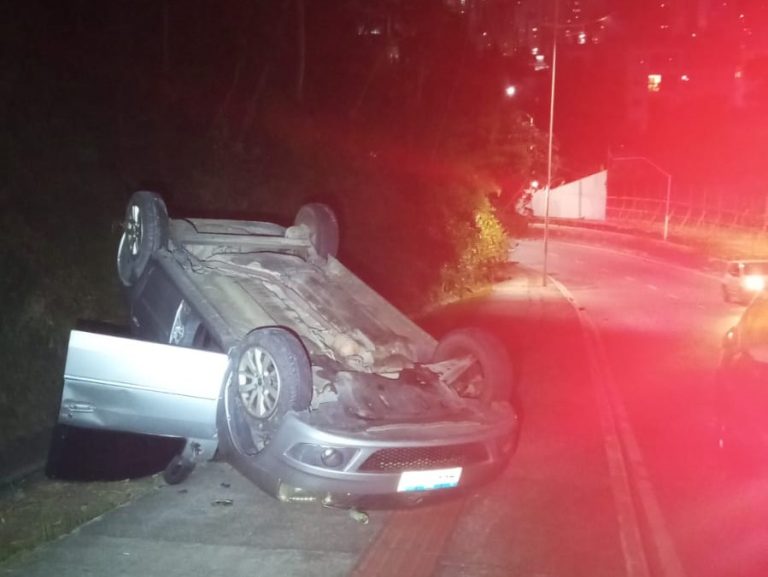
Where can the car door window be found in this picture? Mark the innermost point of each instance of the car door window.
(155, 307)
(188, 330)
(755, 268)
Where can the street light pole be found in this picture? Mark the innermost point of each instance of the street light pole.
(666, 210)
(667, 205)
(549, 151)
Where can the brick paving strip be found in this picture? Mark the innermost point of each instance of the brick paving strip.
(411, 542)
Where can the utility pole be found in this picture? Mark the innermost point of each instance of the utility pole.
(551, 141)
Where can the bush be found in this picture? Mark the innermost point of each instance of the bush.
(481, 245)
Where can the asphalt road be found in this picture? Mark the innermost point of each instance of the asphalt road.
(613, 476)
(661, 322)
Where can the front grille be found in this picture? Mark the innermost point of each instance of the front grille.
(424, 458)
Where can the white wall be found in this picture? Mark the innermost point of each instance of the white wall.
(581, 199)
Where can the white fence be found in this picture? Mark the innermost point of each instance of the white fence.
(581, 199)
(638, 197)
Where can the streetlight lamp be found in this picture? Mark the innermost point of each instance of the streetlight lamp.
(669, 186)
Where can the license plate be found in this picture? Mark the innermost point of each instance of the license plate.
(429, 480)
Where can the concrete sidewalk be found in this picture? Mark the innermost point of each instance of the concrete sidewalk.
(551, 513)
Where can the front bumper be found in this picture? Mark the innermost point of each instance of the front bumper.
(372, 462)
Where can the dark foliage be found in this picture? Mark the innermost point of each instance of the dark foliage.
(248, 109)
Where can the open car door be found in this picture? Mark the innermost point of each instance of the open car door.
(127, 385)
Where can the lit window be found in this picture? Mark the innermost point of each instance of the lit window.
(582, 38)
(738, 74)
(654, 82)
(685, 78)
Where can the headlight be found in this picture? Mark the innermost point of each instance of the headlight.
(321, 456)
(754, 283)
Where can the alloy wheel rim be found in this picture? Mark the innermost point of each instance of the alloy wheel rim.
(258, 383)
(133, 230)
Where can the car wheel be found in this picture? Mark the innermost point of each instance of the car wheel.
(178, 470)
(489, 376)
(145, 230)
(323, 228)
(269, 376)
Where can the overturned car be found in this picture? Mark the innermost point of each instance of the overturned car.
(250, 340)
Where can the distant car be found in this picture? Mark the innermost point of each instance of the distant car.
(743, 279)
(742, 385)
(253, 339)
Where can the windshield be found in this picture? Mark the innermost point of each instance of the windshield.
(756, 267)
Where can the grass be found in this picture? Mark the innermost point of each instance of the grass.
(37, 510)
(724, 243)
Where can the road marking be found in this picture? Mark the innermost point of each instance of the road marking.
(411, 542)
(643, 257)
(625, 464)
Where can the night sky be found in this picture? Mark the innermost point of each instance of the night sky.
(138, 82)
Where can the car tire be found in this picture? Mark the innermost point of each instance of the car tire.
(323, 228)
(269, 376)
(178, 470)
(145, 230)
(491, 376)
